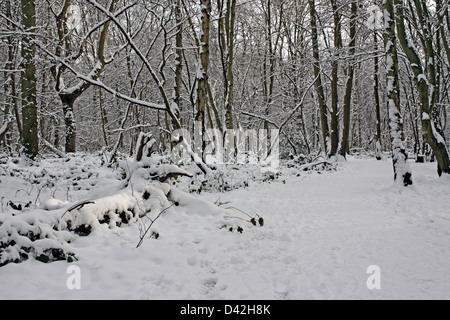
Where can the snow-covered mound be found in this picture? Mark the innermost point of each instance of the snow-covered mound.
(138, 193)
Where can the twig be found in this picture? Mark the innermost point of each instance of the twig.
(219, 203)
(252, 219)
(240, 211)
(78, 205)
(234, 217)
(141, 240)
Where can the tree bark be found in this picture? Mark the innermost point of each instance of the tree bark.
(402, 171)
(349, 85)
(334, 80)
(424, 86)
(202, 71)
(11, 99)
(68, 102)
(28, 81)
(441, 12)
(104, 117)
(376, 95)
(178, 64)
(229, 24)
(323, 109)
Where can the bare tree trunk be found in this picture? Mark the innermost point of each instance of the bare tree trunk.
(425, 85)
(334, 80)
(103, 116)
(11, 99)
(230, 23)
(68, 96)
(68, 102)
(349, 85)
(178, 63)
(376, 95)
(202, 71)
(28, 80)
(323, 109)
(270, 58)
(402, 171)
(441, 12)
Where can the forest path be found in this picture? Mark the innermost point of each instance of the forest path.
(323, 230)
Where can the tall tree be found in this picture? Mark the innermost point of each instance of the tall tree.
(349, 83)
(226, 30)
(28, 81)
(178, 62)
(68, 95)
(425, 78)
(334, 145)
(402, 170)
(11, 99)
(323, 109)
(203, 65)
(273, 16)
(376, 95)
(442, 13)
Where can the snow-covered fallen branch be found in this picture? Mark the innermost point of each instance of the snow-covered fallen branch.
(318, 164)
(52, 148)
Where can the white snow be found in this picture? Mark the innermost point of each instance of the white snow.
(436, 134)
(3, 128)
(422, 77)
(389, 60)
(200, 72)
(321, 233)
(52, 204)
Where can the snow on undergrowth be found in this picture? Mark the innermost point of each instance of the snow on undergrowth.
(228, 177)
(44, 230)
(46, 206)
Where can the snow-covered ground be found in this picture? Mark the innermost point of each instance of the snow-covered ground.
(321, 233)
